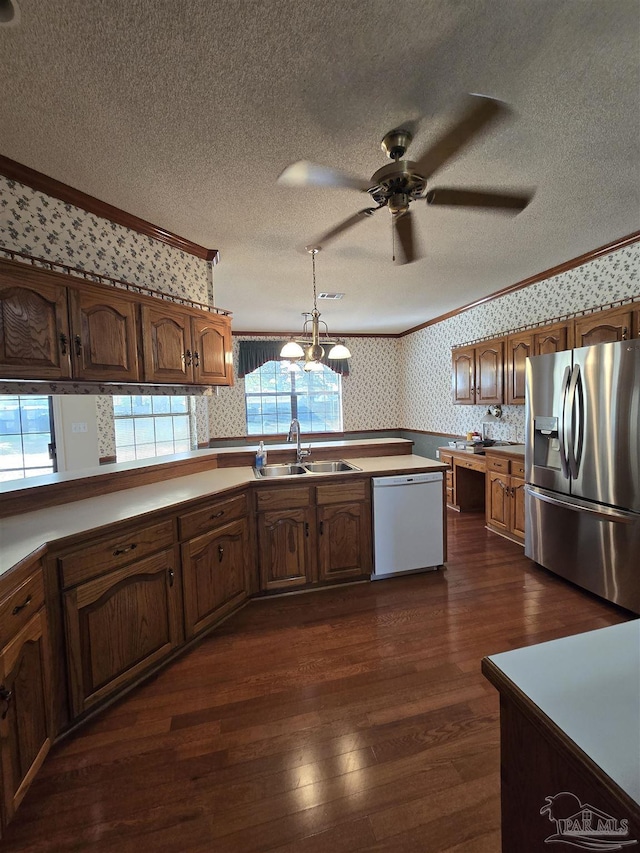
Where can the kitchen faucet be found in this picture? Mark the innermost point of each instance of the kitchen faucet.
(294, 428)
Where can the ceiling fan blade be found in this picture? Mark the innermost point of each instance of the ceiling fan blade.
(405, 232)
(505, 202)
(480, 112)
(306, 174)
(339, 229)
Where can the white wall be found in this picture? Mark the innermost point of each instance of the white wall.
(76, 432)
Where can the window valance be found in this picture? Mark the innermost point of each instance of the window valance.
(253, 354)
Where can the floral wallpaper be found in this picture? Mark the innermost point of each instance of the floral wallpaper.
(370, 394)
(426, 355)
(48, 228)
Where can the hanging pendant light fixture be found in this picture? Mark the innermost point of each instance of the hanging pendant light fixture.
(309, 345)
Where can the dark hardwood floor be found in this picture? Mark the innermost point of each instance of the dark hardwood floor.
(348, 719)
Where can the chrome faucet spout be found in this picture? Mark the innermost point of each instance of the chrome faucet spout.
(294, 429)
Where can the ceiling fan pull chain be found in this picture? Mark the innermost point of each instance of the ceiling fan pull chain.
(393, 241)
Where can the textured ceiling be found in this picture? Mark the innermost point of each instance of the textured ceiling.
(184, 113)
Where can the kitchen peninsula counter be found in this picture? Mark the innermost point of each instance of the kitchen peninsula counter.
(570, 723)
(23, 535)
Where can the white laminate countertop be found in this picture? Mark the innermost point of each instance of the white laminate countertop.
(21, 535)
(589, 686)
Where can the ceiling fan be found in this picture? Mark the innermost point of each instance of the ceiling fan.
(402, 182)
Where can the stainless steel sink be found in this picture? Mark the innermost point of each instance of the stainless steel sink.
(333, 467)
(279, 470)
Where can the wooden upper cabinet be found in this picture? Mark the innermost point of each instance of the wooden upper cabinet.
(463, 375)
(34, 330)
(603, 327)
(212, 363)
(489, 372)
(167, 347)
(551, 339)
(519, 348)
(105, 336)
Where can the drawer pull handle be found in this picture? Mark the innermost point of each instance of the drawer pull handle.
(220, 553)
(218, 514)
(63, 343)
(22, 606)
(119, 551)
(187, 358)
(306, 528)
(78, 343)
(321, 528)
(171, 576)
(5, 696)
(196, 358)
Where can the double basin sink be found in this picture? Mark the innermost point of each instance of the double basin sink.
(338, 466)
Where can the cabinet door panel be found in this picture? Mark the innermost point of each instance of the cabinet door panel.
(104, 337)
(212, 351)
(498, 504)
(214, 575)
(519, 347)
(602, 328)
(25, 718)
(118, 625)
(168, 352)
(517, 491)
(464, 376)
(344, 541)
(489, 366)
(551, 339)
(34, 331)
(285, 548)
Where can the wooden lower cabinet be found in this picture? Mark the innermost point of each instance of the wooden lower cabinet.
(344, 541)
(25, 710)
(120, 624)
(286, 552)
(505, 497)
(214, 575)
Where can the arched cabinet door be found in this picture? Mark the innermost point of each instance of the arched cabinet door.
(168, 351)
(104, 336)
(286, 548)
(34, 330)
(603, 327)
(212, 363)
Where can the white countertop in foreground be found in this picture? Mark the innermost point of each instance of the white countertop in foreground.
(21, 535)
(589, 686)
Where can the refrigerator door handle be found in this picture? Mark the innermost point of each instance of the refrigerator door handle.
(575, 419)
(562, 437)
(595, 511)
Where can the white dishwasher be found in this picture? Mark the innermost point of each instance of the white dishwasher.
(407, 523)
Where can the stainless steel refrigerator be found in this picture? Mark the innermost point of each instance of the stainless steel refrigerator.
(582, 468)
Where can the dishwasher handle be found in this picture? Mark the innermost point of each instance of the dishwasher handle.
(407, 480)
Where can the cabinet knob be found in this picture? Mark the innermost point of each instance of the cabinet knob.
(625, 333)
(220, 553)
(306, 528)
(5, 696)
(171, 575)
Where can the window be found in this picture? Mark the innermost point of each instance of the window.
(26, 437)
(277, 392)
(151, 426)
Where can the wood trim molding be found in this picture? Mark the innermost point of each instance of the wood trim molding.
(42, 183)
(541, 276)
(296, 334)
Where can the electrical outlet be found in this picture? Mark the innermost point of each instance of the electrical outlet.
(79, 427)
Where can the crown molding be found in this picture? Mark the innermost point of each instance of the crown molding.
(42, 183)
(541, 276)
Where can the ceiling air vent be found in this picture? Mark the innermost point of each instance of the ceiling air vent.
(330, 295)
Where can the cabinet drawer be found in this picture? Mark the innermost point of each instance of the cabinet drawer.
(446, 459)
(114, 552)
(495, 463)
(343, 492)
(214, 515)
(450, 495)
(473, 464)
(517, 468)
(285, 497)
(449, 479)
(18, 607)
